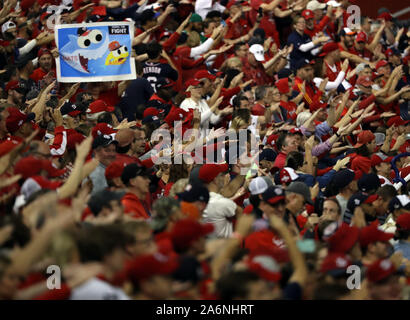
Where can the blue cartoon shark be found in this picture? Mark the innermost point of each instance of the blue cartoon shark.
(87, 45)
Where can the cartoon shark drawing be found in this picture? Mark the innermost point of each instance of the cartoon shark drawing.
(87, 45)
(118, 54)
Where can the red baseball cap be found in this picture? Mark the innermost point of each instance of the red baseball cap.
(283, 85)
(364, 137)
(335, 263)
(52, 171)
(381, 63)
(101, 129)
(385, 16)
(389, 52)
(371, 234)
(380, 270)
(271, 140)
(13, 85)
(204, 74)
(73, 138)
(328, 48)
(99, 106)
(115, 169)
(265, 265)
(28, 167)
(361, 37)
(343, 239)
(16, 119)
(287, 175)
(42, 52)
(146, 266)
(47, 184)
(308, 14)
(397, 121)
(26, 4)
(403, 221)
(296, 131)
(379, 157)
(264, 241)
(164, 34)
(209, 171)
(7, 146)
(177, 114)
(151, 111)
(191, 82)
(364, 81)
(187, 231)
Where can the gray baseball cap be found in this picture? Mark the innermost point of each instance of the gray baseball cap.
(302, 189)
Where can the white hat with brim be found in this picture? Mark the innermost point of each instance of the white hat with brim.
(315, 5)
(334, 3)
(258, 52)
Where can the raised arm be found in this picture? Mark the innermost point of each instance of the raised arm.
(300, 270)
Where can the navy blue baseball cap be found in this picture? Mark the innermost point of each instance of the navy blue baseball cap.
(268, 155)
(342, 179)
(194, 192)
(369, 182)
(273, 195)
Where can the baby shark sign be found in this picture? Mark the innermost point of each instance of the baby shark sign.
(94, 52)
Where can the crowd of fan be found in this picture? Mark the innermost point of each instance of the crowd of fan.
(311, 180)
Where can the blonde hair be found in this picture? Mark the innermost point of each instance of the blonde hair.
(63, 248)
(237, 123)
(194, 39)
(228, 63)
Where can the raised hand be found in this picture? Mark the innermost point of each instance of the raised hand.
(341, 163)
(84, 147)
(345, 65)
(323, 84)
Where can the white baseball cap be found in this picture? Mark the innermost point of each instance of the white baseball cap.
(7, 26)
(314, 5)
(334, 3)
(258, 52)
(258, 186)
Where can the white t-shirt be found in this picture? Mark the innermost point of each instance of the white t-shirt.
(217, 212)
(207, 116)
(203, 7)
(96, 289)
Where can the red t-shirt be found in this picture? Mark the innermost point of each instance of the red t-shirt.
(257, 74)
(110, 96)
(134, 207)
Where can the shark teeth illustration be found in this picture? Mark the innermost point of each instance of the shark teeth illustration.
(79, 58)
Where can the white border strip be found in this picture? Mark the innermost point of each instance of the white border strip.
(122, 77)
